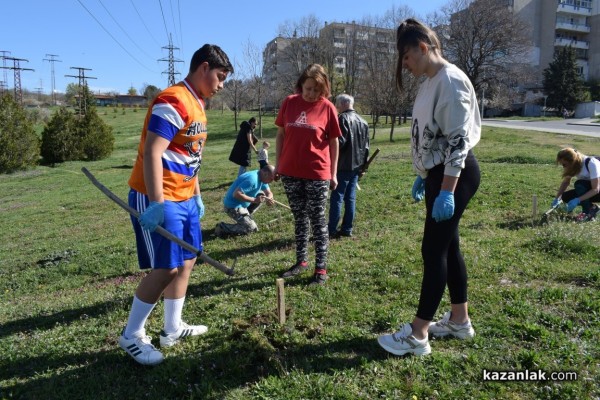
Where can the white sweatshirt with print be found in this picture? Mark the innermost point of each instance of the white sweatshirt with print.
(445, 122)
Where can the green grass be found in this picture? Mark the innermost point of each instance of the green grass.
(68, 272)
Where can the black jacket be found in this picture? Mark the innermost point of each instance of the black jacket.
(240, 154)
(354, 142)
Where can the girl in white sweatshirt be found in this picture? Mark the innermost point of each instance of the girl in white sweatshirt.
(445, 127)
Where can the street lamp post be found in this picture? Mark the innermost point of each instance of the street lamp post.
(545, 97)
(483, 93)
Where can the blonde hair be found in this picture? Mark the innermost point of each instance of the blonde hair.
(573, 160)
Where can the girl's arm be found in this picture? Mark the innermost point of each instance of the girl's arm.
(593, 191)
(563, 186)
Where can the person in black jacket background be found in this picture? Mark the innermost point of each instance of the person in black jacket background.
(240, 154)
(354, 151)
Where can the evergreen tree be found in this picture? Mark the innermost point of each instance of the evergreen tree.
(562, 82)
(69, 137)
(59, 138)
(97, 139)
(19, 144)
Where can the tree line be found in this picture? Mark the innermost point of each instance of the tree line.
(484, 38)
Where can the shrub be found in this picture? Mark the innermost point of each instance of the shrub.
(59, 138)
(19, 144)
(68, 137)
(96, 137)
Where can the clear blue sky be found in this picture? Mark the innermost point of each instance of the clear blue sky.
(121, 40)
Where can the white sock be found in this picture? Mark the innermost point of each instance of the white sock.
(137, 318)
(173, 310)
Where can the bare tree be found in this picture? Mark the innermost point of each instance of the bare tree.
(236, 93)
(342, 47)
(305, 49)
(254, 68)
(377, 75)
(486, 40)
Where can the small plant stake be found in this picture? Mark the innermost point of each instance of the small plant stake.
(280, 301)
(534, 216)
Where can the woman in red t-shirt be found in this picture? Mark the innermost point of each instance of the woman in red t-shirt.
(306, 157)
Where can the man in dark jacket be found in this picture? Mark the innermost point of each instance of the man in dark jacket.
(354, 151)
(240, 154)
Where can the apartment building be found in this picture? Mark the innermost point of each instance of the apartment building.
(342, 46)
(560, 23)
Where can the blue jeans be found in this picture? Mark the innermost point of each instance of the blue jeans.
(582, 186)
(346, 193)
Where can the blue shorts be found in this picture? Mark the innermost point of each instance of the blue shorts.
(181, 219)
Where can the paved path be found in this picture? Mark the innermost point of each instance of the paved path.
(570, 126)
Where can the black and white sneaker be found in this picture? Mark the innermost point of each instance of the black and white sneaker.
(185, 330)
(296, 269)
(141, 349)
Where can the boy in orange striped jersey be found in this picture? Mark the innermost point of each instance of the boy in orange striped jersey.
(165, 191)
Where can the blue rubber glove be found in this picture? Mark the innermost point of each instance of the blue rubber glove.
(418, 189)
(153, 216)
(443, 206)
(555, 202)
(572, 204)
(200, 205)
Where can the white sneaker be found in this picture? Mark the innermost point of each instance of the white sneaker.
(403, 342)
(445, 327)
(168, 340)
(141, 349)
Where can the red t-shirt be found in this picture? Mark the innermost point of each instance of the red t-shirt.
(308, 129)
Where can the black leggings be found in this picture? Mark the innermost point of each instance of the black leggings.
(442, 259)
(582, 186)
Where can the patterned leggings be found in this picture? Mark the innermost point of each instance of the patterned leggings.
(308, 201)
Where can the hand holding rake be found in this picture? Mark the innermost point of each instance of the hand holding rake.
(159, 229)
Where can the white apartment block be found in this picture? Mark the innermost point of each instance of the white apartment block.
(559, 23)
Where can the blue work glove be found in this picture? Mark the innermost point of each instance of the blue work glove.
(443, 206)
(153, 216)
(555, 202)
(572, 204)
(418, 189)
(200, 205)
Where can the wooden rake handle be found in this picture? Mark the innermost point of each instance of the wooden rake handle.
(159, 229)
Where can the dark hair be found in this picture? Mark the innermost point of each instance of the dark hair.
(213, 55)
(316, 72)
(409, 34)
(251, 120)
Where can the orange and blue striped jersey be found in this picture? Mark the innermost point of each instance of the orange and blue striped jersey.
(177, 114)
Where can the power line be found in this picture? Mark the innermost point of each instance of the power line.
(39, 90)
(82, 83)
(180, 30)
(143, 23)
(123, 30)
(173, 17)
(113, 38)
(164, 21)
(3, 56)
(52, 60)
(171, 66)
(17, 76)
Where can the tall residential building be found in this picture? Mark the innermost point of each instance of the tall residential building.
(343, 47)
(559, 23)
(283, 61)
